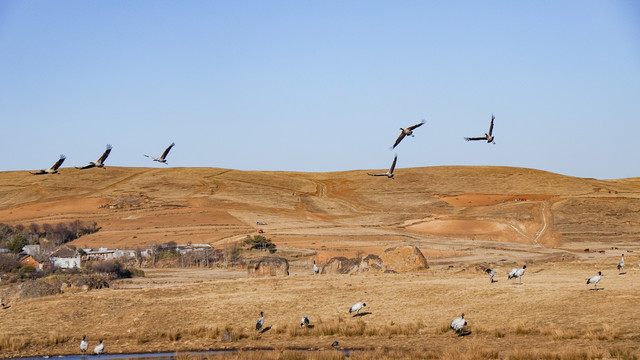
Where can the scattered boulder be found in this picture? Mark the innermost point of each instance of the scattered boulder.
(371, 263)
(404, 258)
(36, 289)
(342, 265)
(268, 266)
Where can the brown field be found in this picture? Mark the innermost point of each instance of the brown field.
(455, 215)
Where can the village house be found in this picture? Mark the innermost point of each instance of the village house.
(65, 257)
(28, 260)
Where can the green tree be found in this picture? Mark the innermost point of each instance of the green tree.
(18, 242)
(260, 242)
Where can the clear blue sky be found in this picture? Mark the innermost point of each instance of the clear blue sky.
(322, 85)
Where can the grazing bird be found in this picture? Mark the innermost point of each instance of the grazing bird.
(84, 344)
(489, 137)
(260, 321)
(517, 273)
(315, 268)
(595, 279)
(357, 307)
(100, 162)
(99, 349)
(389, 173)
(458, 323)
(53, 169)
(162, 157)
(405, 132)
(621, 263)
(304, 321)
(491, 274)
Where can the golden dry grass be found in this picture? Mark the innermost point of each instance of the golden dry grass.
(551, 310)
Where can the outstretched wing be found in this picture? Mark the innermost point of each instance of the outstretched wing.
(164, 154)
(491, 126)
(402, 135)
(393, 164)
(475, 138)
(376, 174)
(105, 155)
(416, 125)
(58, 163)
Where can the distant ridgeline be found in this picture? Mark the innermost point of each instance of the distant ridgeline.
(16, 237)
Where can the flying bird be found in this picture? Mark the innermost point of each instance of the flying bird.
(99, 349)
(405, 132)
(458, 323)
(621, 263)
(357, 307)
(491, 274)
(163, 157)
(100, 162)
(260, 321)
(53, 169)
(84, 344)
(489, 137)
(595, 279)
(316, 270)
(389, 173)
(304, 321)
(517, 273)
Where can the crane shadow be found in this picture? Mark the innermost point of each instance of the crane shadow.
(362, 314)
(265, 329)
(465, 333)
(622, 273)
(596, 289)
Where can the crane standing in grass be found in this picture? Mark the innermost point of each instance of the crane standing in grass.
(304, 321)
(458, 324)
(621, 264)
(99, 349)
(595, 279)
(491, 274)
(357, 307)
(517, 273)
(84, 344)
(260, 321)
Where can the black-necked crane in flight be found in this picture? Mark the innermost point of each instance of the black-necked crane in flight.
(163, 157)
(98, 163)
(487, 136)
(405, 132)
(389, 173)
(53, 169)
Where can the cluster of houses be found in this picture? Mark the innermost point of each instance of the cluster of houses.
(65, 257)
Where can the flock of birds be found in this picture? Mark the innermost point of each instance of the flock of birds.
(100, 162)
(408, 131)
(457, 325)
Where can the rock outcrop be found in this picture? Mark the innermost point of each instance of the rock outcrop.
(342, 265)
(268, 266)
(404, 258)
